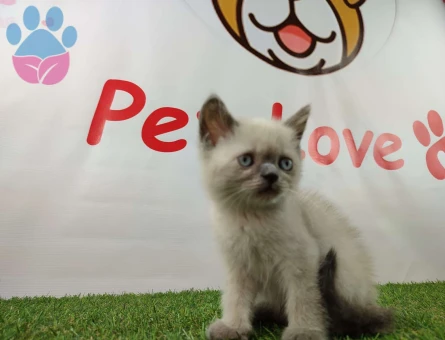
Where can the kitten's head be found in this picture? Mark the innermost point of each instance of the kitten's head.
(249, 164)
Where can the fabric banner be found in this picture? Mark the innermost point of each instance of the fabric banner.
(100, 186)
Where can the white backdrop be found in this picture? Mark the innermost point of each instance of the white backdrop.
(88, 212)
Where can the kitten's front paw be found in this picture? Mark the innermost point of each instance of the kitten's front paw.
(303, 334)
(220, 331)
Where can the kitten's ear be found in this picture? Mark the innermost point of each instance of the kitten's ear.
(215, 121)
(298, 121)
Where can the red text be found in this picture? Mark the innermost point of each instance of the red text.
(152, 128)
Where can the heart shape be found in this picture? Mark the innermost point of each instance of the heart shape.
(44, 22)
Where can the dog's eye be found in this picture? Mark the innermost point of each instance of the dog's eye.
(285, 164)
(245, 160)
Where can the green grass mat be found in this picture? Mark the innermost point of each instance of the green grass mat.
(420, 315)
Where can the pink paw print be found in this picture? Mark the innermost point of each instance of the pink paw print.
(435, 124)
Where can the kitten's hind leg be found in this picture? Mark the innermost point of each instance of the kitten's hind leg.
(364, 320)
(345, 317)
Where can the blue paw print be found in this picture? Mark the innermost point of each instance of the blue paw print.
(41, 42)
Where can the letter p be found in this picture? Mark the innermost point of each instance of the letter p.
(105, 113)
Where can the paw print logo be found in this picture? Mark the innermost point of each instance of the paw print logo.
(41, 58)
(434, 151)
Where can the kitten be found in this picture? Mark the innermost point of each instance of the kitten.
(290, 256)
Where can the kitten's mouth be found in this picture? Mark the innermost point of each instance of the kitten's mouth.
(269, 191)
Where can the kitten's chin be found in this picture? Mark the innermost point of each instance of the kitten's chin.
(265, 198)
(269, 193)
(257, 202)
(269, 197)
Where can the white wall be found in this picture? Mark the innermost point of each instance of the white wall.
(119, 216)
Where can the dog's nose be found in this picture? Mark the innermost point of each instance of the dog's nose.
(271, 177)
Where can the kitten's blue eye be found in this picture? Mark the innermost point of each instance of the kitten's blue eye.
(285, 164)
(245, 160)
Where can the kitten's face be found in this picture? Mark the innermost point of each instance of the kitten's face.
(248, 164)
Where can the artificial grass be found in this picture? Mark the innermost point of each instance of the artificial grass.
(420, 313)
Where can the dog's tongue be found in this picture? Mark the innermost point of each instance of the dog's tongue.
(295, 39)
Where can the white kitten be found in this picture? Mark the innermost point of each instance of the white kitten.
(290, 256)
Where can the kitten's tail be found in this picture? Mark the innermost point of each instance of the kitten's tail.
(344, 317)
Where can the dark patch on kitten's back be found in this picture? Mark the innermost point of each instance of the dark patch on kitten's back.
(345, 318)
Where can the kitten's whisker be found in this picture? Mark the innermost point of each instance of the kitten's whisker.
(234, 197)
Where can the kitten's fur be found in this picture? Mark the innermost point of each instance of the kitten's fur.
(290, 256)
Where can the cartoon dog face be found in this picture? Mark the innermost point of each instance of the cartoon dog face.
(308, 37)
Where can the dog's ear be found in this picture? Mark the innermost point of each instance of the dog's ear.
(354, 3)
(215, 121)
